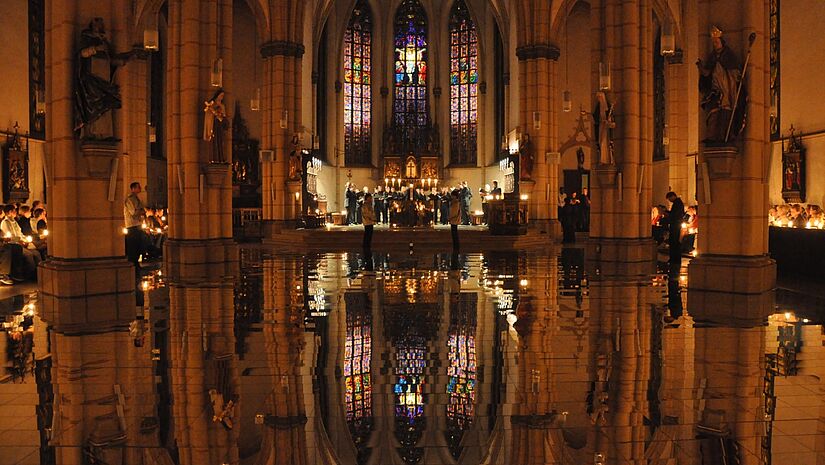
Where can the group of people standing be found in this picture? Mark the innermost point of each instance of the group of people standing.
(407, 206)
(574, 213)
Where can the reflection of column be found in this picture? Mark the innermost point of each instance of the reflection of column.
(104, 393)
(734, 236)
(203, 375)
(286, 435)
(536, 437)
(537, 76)
(730, 361)
(620, 349)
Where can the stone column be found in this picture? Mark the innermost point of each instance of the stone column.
(733, 241)
(281, 109)
(86, 272)
(200, 192)
(621, 200)
(677, 82)
(537, 68)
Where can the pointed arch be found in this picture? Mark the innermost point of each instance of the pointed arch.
(357, 86)
(464, 82)
(410, 110)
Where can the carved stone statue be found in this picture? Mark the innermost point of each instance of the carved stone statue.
(604, 125)
(527, 158)
(719, 80)
(215, 124)
(96, 94)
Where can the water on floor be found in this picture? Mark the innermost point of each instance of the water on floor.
(342, 358)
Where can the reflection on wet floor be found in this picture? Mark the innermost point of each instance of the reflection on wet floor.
(500, 358)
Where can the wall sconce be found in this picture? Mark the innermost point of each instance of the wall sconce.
(666, 135)
(151, 40)
(216, 75)
(255, 102)
(605, 80)
(284, 119)
(536, 120)
(153, 134)
(566, 101)
(668, 40)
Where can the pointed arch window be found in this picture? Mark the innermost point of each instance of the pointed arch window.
(357, 79)
(463, 86)
(410, 114)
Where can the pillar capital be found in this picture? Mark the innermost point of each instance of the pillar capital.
(282, 48)
(538, 51)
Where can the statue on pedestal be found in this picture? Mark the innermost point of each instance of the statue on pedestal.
(723, 95)
(96, 94)
(215, 124)
(527, 159)
(604, 125)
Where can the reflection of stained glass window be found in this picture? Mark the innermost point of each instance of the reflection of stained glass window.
(461, 369)
(410, 111)
(357, 380)
(463, 86)
(409, 400)
(357, 97)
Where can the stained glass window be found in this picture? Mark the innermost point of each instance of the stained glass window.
(357, 96)
(774, 57)
(463, 86)
(410, 110)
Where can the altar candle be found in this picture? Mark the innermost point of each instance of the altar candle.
(386, 181)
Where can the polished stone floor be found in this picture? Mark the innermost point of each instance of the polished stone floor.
(340, 358)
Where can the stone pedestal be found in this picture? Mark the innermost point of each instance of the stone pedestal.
(607, 176)
(98, 156)
(720, 160)
(216, 174)
(77, 295)
(731, 288)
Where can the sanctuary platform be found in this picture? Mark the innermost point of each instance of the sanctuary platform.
(471, 238)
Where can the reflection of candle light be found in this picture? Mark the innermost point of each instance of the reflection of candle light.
(124, 231)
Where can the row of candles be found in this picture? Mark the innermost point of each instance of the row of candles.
(400, 182)
(816, 224)
(29, 239)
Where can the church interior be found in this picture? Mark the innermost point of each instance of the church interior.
(436, 232)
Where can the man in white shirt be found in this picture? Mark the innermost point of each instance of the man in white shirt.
(133, 215)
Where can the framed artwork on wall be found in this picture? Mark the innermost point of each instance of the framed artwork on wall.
(793, 169)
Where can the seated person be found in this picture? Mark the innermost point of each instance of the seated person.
(38, 221)
(24, 220)
(29, 257)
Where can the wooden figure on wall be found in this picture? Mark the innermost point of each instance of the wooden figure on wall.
(793, 169)
(15, 168)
